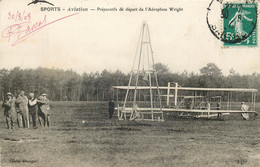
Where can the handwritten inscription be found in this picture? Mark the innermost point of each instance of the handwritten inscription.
(19, 16)
(24, 27)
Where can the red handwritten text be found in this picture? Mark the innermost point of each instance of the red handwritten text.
(19, 16)
(20, 31)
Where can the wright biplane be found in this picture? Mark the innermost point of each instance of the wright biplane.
(144, 99)
(191, 101)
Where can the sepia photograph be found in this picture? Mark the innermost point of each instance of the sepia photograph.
(112, 83)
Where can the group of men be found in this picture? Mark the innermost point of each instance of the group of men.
(21, 108)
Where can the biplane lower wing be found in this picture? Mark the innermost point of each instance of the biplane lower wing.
(129, 109)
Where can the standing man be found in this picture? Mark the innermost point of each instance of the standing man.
(208, 107)
(33, 108)
(245, 108)
(9, 110)
(22, 102)
(192, 104)
(219, 108)
(111, 108)
(18, 113)
(44, 110)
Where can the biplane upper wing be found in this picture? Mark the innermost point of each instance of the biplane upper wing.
(188, 88)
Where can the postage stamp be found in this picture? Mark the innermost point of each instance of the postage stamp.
(233, 23)
(239, 21)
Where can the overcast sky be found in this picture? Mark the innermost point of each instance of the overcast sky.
(92, 41)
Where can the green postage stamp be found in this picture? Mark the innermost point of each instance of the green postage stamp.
(234, 23)
(239, 24)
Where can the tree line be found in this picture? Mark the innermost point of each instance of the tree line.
(67, 85)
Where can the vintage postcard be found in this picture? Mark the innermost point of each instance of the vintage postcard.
(129, 83)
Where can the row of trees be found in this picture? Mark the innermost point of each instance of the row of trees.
(61, 85)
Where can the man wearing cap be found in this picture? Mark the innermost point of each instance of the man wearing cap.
(33, 108)
(9, 110)
(22, 102)
(44, 110)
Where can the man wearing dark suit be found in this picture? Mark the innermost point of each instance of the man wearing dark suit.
(111, 108)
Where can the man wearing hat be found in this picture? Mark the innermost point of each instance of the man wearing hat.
(9, 110)
(22, 102)
(33, 108)
(44, 110)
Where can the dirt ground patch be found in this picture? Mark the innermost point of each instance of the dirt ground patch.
(100, 141)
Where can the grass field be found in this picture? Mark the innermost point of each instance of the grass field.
(109, 143)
